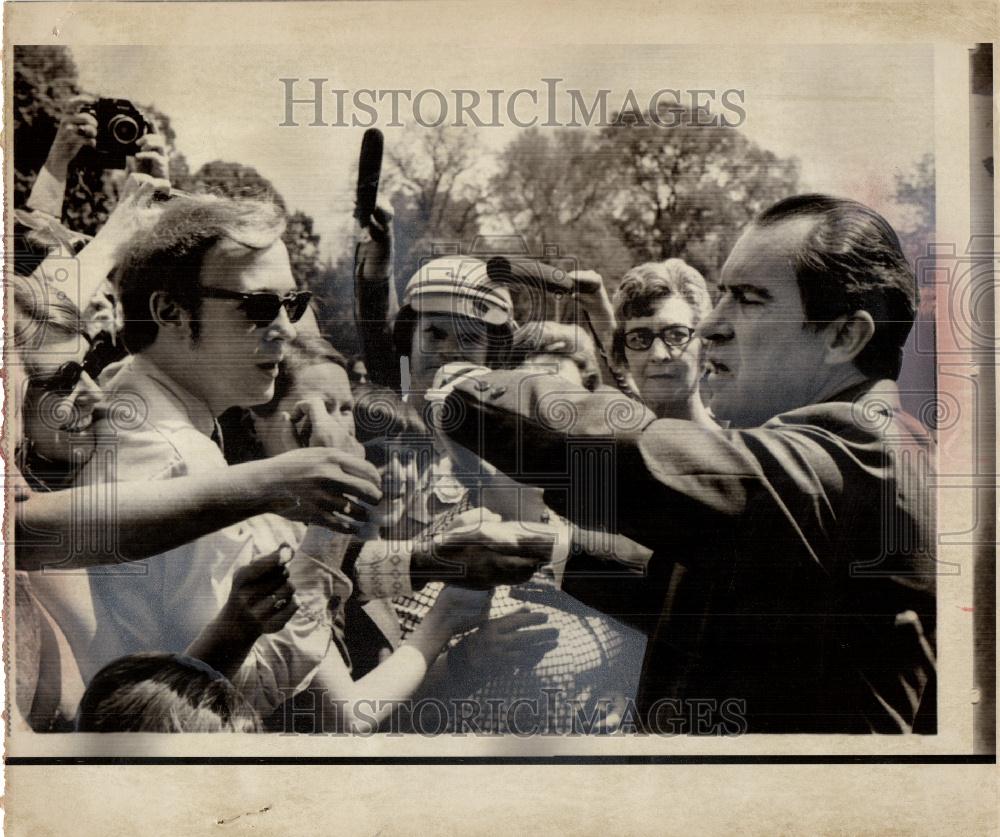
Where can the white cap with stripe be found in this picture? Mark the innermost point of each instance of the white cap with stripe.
(459, 285)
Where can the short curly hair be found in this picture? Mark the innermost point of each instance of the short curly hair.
(646, 284)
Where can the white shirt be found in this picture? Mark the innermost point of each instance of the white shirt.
(156, 430)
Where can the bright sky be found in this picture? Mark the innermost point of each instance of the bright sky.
(854, 115)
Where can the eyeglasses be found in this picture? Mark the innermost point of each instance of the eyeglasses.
(673, 337)
(64, 380)
(262, 309)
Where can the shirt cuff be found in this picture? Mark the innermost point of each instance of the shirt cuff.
(47, 193)
(324, 545)
(561, 549)
(382, 570)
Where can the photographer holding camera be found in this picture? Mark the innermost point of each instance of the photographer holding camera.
(103, 134)
(113, 132)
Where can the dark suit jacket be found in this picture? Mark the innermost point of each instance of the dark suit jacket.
(793, 581)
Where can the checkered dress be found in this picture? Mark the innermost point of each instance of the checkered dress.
(596, 660)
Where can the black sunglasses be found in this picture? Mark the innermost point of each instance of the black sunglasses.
(262, 309)
(64, 380)
(673, 336)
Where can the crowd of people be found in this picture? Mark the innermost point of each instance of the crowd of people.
(682, 509)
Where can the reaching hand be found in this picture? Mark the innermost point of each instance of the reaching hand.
(318, 485)
(262, 598)
(593, 296)
(135, 211)
(316, 428)
(461, 609)
(480, 552)
(373, 259)
(261, 601)
(152, 157)
(513, 641)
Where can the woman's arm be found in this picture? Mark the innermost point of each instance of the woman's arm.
(359, 706)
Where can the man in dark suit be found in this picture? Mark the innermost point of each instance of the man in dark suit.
(799, 591)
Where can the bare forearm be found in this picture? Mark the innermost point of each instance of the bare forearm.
(140, 518)
(223, 644)
(359, 706)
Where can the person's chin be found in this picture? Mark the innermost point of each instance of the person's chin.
(719, 400)
(253, 397)
(662, 387)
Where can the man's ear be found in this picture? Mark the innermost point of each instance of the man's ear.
(166, 313)
(847, 336)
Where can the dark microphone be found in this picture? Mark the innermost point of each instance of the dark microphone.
(531, 272)
(369, 171)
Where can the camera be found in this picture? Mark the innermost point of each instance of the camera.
(120, 126)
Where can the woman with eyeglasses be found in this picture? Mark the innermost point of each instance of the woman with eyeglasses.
(657, 309)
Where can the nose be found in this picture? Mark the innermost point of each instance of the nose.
(716, 328)
(346, 421)
(281, 328)
(659, 350)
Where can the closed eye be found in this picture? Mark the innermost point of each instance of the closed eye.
(746, 294)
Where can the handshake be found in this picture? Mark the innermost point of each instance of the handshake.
(336, 488)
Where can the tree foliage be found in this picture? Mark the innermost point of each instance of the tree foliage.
(44, 78)
(688, 190)
(555, 191)
(437, 188)
(915, 194)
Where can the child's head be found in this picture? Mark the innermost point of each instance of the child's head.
(156, 692)
(396, 441)
(560, 348)
(312, 372)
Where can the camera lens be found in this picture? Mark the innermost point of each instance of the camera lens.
(124, 129)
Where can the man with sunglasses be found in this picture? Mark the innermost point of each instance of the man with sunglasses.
(209, 305)
(799, 595)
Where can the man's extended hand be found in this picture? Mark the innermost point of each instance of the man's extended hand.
(319, 485)
(480, 552)
(514, 641)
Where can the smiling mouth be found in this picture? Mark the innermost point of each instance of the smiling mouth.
(80, 424)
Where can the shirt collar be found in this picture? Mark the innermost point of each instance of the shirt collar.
(197, 410)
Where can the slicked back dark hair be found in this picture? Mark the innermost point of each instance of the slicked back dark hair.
(851, 260)
(169, 257)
